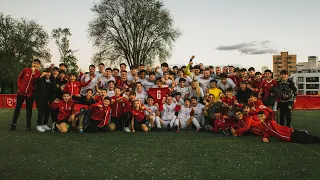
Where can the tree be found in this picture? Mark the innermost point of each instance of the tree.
(66, 54)
(135, 31)
(21, 41)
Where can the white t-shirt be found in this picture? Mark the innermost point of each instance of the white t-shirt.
(188, 80)
(91, 85)
(198, 112)
(169, 82)
(153, 109)
(229, 84)
(105, 81)
(184, 113)
(168, 111)
(193, 92)
(110, 93)
(204, 83)
(184, 91)
(141, 97)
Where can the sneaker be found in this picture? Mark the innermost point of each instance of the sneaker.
(126, 129)
(28, 127)
(304, 131)
(40, 129)
(13, 127)
(80, 130)
(53, 128)
(46, 127)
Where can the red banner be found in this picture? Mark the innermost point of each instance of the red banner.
(10, 101)
(307, 102)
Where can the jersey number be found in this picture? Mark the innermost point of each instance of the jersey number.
(158, 94)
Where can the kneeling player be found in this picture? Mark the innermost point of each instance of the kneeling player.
(223, 123)
(101, 117)
(245, 123)
(154, 114)
(65, 117)
(139, 119)
(284, 133)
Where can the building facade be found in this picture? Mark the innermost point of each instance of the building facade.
(307, 83)
(311, 66)
(284, 61)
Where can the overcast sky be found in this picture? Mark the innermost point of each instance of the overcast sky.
(217, 32)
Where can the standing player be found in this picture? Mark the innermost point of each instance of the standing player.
(26, 84)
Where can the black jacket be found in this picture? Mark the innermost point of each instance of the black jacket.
(44, 89)
(83, 100)
(243, 96)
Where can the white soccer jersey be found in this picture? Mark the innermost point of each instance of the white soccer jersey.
(184, 113)
(141, 96)
(204, 83)
(188, 80)
(198, 113)
(153, 109)
(168, 111)
(169, 82)
(184, 91)
(110, 93)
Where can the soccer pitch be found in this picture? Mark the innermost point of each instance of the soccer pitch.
(154, 155)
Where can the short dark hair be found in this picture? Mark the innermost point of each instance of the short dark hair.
(229, 90)
(123, 64)
(111, 82)
(107, 98)
(236, 69)
(89, 90)
(254, 94)
(133, 67)
(72, 74)
(196, 67)
(243, 70)
(158, 79)
(92, 66)
(238, 110)
(223, 75)
(138, 83)
(63, 64)
(142, 71)
(115, 69)
(283, 72)
(177, 94)
(152, 73)
(37, 60)
(218, 110)
(251, 69)
(182, 80)
(65, 92)
(193, 97)
(62, 72)
(267, 70)
(213, 80)
(261, 112)
(187, 99)
(48, 70)
(132, 93)
(231, 66)
(55, 69)
(141, 65)
(257, 73)
(108, 69)
(175, 67)
(164, 65)
(101, 64)
(150, 97)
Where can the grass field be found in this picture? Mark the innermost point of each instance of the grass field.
(154, 155)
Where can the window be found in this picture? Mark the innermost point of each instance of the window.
(300, 86)
(279, 66)
(312, 93)
(312, 79)
(279, 58)
(312, 86)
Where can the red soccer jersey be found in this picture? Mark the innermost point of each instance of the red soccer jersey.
(266, 86)
(138, 115)
(229, 101)
(74, 87)
(65, 109)
(158, 94)
(248, 124)
(223, 124)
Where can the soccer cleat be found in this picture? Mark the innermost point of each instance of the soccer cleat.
(13, 127)
(28, 127)
(46, 127)
(304, 131)
(226, 133)
(53, 128)
(126, 129)
(40, 129)
(81, 131)
(198, 129)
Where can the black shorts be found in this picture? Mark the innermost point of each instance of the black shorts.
(137, 125)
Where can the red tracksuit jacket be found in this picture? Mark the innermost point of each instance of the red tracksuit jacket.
(117, 107)
(223, 124)
(248, 124)
(65, 109)
(74, 88)
(26, 81)
(103, 115)
(138, 115)
(271, 128)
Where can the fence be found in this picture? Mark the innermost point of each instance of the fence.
(304, 102)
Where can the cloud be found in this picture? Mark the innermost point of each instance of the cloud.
(251, 48)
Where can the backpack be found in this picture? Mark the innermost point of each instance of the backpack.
(286, 90)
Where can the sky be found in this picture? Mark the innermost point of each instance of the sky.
(218, 32)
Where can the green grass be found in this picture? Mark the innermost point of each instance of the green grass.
(163, 155)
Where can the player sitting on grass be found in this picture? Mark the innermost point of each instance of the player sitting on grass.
(284, 133)
(139, 119)
(154, 114)
(65, 116)
(230, 102)
(168, 112)
(100, 118)
(185, 117)
(223, 123)
(245, 123)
